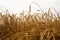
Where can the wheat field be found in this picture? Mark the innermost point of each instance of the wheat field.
(39, 26)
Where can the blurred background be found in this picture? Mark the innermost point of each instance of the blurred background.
(18, 5)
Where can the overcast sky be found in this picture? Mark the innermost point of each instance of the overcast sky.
(17, 5)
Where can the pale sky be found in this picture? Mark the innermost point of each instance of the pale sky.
(18, 5)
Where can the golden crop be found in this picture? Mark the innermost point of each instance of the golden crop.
(29, 27)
